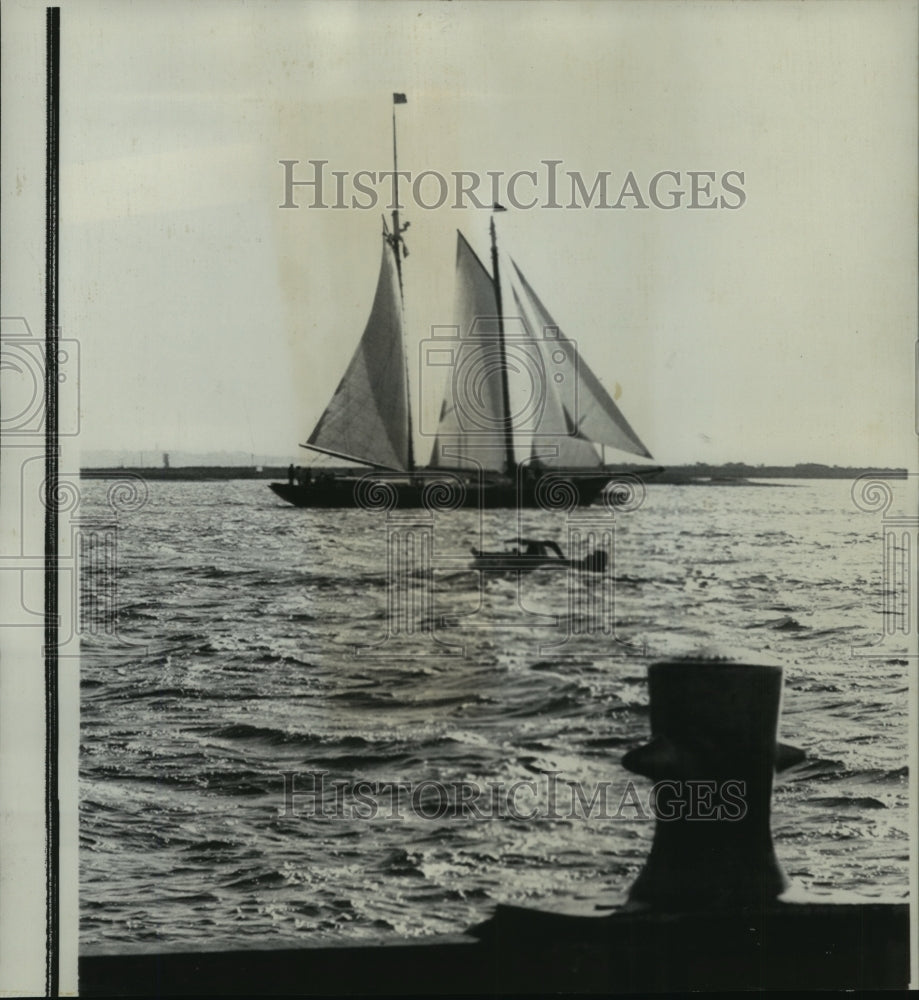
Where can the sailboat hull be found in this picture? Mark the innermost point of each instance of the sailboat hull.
(439, 494)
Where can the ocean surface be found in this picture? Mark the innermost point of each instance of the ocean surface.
(306, 727)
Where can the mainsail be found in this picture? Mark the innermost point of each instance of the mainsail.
(597, 418)
(471, 431)
(367, 419)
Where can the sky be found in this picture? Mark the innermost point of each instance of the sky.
(210, 319)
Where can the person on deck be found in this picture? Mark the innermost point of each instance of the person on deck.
(290, 474)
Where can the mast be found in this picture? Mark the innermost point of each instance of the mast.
(398, 248)
(509, 465)
(396, 239)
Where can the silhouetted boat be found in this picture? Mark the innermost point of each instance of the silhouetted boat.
(527, 554)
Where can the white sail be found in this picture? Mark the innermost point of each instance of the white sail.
(596, 417)
(471, 431)
(557, 441)
(367, 419)
(571, 452)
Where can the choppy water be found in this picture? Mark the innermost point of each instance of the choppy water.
(244, 614)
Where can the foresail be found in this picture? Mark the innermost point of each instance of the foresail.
(470, 433)
(572, 452)
(367, 417)
(564, 453)
(556, 439)
(596, 417)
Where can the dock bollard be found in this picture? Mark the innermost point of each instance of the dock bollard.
(712, 757)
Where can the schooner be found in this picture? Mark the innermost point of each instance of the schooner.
(558, 404)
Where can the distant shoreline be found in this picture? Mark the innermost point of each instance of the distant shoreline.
(733, 474)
